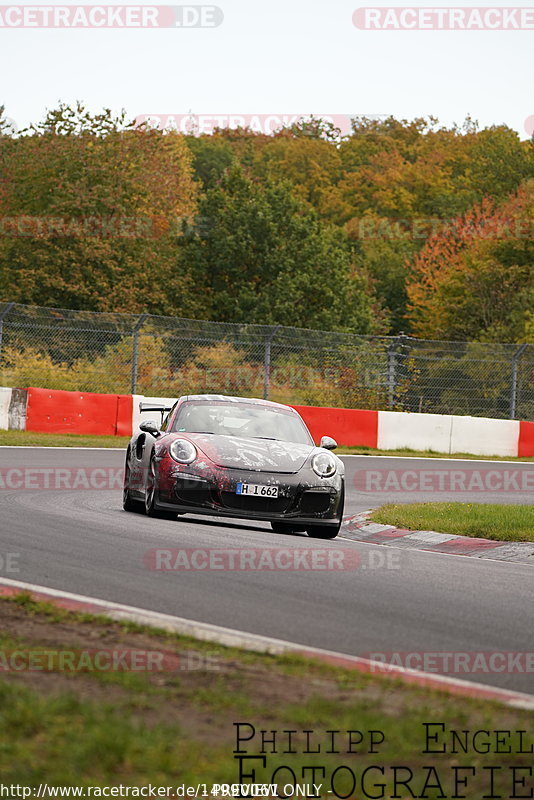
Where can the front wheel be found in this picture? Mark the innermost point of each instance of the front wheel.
(323, 531)
(150, 494)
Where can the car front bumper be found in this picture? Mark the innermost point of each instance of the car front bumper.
(303, 497)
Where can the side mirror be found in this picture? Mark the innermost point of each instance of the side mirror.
(149, 426)
(328, 443)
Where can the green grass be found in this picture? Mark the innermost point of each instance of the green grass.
(369, 451)
(98, 729)
(29, 439)
(506, 523)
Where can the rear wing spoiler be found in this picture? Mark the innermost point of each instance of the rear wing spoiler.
(161, 407)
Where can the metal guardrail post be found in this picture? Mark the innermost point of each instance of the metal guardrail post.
(513, 386)
(3, 315)
(135, 354)
(267, 362)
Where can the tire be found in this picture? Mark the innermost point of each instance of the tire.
(150, 494)
(329, 531)
(323, 531)
(128, 503)
(286, 527)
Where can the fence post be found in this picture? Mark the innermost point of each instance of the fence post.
(392, 370)
(267, 362)
(135, 355)
(513, 387)
(3, 315)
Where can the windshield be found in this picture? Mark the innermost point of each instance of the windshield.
(241, 419)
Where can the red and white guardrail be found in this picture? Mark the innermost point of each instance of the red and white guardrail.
(54, 411)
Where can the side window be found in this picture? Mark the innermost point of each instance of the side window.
(165, 423)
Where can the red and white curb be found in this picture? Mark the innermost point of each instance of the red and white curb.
(263, 644)
(360, 529)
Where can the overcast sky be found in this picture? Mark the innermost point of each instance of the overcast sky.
(272, 57)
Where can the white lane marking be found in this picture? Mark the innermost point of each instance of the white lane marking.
(432, 552)
(416, 535)
(341, 455)
(231, 637)
(433, 537)
(495, 460)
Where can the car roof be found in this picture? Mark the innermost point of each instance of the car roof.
(224, 398)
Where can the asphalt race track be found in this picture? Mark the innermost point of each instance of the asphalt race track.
(82, 541)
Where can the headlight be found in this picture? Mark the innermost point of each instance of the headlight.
(324, 464)
(183, 451)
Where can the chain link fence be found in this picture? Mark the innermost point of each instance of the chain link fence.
(170, 356)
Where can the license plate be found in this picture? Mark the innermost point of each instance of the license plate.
(256, 490)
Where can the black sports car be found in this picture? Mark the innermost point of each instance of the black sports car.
(235, 457)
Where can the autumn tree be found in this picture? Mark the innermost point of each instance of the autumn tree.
(92, 209)
(98, 214)
(475, 280)
(265, 258)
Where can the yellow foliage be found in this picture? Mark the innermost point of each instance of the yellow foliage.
(215, 369)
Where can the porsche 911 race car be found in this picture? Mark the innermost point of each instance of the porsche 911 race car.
(235, 457)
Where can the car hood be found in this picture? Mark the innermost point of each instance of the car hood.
(263, 455)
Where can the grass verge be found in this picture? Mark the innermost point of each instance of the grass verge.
(506, 523)
(104, 727)
(369, 451)
(30, 439)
